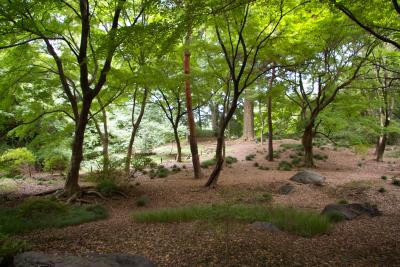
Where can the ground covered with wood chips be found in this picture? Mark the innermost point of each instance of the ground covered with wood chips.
(353, 177)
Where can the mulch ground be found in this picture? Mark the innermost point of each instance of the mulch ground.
(361, 242)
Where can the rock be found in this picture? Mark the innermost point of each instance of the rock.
(265, 226)
(286, 189)
(32, 258)
(353, 210)
(308, 177)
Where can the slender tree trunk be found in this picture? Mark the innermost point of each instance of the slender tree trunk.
(178, 144)
(104, 144)
(71, 185)
(381, 147)
(270, 126)
(219, 152)
(248, 120)
(135, 128)
(262, 123)
(307, 141)
(189, 110)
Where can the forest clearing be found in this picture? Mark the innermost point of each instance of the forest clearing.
(199, 133)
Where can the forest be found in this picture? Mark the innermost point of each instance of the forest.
(199, 133)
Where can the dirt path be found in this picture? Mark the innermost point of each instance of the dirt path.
(362, 242)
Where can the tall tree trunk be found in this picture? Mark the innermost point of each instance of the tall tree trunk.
(71, 185)
(178, 144)
(248, 120)
(307, 141)
(104, 143)
(270, 127)
(135, 128)
(381, 147)
(189, 110)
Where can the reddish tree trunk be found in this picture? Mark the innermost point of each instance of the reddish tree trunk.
(189, 110)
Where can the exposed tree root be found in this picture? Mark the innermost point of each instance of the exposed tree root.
(121, 193)
(94, 192)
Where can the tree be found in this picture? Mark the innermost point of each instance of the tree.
(33, 21)
(242, 43)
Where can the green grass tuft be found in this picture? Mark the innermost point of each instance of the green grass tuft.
(142, 201)
(395, 181)
(46, 213)
(107, 187)
(207, 163)
(285, 166)
(335, 216)
(250, 157)
(296, 221)
(343, 202)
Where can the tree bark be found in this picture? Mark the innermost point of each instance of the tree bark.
(190, 118)
(270, 126)
(71, 184)
(307, 141)
(178, 144)
(135, 128)
(381, 147)
(248, 120)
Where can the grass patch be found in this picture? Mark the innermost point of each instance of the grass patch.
(395, 181)
(343, 202)
(107, 187)
(296, 221)
(383, 177)
(41, 213)
(285, 166)
(250, 157)
(160, 172)
(207, 163)
(320, 157)
(142, 201)
(335, 216)
(230, 160)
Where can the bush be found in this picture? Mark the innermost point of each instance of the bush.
(142, 201)
(207, 163)
(295, 161)
(320, 157)
(382, 190)
(14, 161)
(266, 197)
(250, 157)
(56, 162)
(285, 166)
(343, 202)
(361, 149)
(383, 177)
(140, 162)
(107, 187)
(296, 221)
(39, 207)
(175, 169)
(256, 164)
(230, 160)
(395, 181)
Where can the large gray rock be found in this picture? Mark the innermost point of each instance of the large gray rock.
(286, 189)
(266, 226)
(353, 210)
(29, 259)
(308, 177)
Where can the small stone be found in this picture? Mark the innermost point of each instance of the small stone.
(267, 226)
(286, 189)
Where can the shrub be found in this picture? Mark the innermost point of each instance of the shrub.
(56, 162)
(142, 201)
(162, 172)
(230, 160)
(383, 177)
(39, 207)
(320, 157)
(256, 164)
(264, 168)
(107, 187)
(175, 169)
(361, 149)
(343, 202)
(395, 181)
(140, 162)
(382, 190)
(266, 197)
(250, 157)
(14, 161)
(285, 166)
(335, 216)
(296, 221)
(207, 163)
(295, 161)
